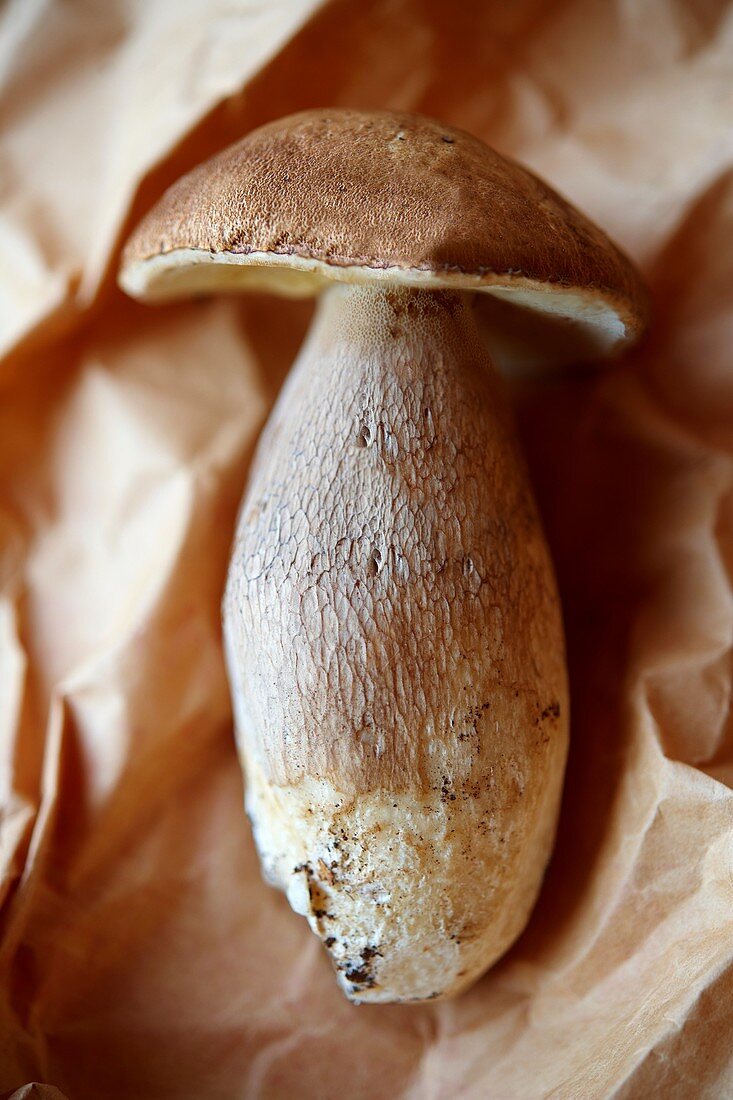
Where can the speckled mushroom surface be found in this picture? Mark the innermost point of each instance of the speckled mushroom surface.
(353, 195)
(392, 626)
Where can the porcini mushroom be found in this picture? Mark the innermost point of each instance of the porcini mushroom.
(392, 625)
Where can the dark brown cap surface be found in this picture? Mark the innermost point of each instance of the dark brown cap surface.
(357, 196)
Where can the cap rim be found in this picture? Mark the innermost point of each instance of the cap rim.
(166, 276)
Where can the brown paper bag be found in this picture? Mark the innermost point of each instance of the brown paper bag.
(142, 955)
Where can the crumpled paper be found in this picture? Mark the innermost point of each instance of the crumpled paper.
(141, 954)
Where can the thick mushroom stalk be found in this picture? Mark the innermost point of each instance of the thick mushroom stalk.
(395, 648)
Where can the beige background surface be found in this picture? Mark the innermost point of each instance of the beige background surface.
(141, 955)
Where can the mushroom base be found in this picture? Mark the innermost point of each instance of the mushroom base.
(412, 897)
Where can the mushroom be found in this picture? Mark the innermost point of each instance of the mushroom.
(392, 625)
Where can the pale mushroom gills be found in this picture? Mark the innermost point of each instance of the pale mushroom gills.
(392, 625)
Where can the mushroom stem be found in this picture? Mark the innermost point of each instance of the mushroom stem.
(395, 648)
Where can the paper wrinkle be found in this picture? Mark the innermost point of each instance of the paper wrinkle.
(142, 954)
(117, 85)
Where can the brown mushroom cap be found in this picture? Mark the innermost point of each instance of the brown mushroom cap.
(388, 197)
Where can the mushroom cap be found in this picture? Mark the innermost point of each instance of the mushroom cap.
(382, 196)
